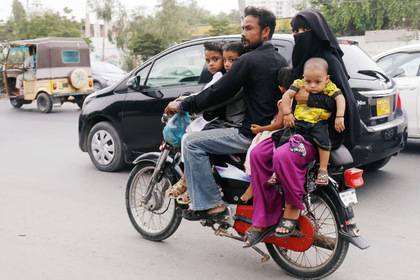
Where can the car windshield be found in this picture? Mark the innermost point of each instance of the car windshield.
(356, 59)
(17, 55)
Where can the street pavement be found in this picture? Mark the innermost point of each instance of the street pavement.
(60, 218)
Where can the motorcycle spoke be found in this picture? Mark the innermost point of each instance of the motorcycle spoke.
(151, 220)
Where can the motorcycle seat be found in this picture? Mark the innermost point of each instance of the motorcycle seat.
(341, 157)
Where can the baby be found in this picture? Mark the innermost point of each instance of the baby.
(312, 122)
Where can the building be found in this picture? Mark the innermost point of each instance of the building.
(281, 8)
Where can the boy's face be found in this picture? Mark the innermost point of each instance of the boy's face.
(214, 61)
(228, 58)
(315, 80)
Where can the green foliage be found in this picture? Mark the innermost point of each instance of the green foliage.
(222, 27)
(50, 25)
(354, 17)
(20, 26)
(146, 45)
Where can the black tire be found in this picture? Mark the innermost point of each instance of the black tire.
(332, 263)
(105, 148)
(79, 101)
(174, 217)
(16, 103)
(376, 165)
(44, 102)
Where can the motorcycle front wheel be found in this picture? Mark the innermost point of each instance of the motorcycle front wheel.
(328, 251)
(163, 220)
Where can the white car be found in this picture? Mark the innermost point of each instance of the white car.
(403, 65)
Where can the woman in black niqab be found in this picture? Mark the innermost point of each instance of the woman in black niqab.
(319, 41)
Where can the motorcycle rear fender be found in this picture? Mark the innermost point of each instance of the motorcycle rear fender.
(154, 156)
(344, 214)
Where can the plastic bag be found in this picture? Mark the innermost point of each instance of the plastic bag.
(175, 128)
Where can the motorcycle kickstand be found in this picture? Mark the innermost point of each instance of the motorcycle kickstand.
(222, 232)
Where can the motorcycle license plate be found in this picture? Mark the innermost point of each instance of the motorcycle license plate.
(383, 106)
(348, 197)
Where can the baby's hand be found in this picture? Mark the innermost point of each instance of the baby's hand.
(255, 128)
(289, 120)
(339, 124)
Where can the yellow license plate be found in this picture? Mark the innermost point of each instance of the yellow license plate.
(383, 106)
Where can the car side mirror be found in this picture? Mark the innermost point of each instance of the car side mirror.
(154, 93)
(399, 72)
(134, 83)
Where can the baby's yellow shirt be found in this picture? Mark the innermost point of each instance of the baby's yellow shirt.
(312, 114)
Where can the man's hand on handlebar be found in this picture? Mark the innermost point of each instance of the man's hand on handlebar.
(173, 107)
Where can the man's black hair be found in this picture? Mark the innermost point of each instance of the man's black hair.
(265, 17)
(236, 47)
(213, 46)
(284, 76)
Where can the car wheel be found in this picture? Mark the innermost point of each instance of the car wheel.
(44, 102)
(105, 148)
(16, 103)
(376, 165)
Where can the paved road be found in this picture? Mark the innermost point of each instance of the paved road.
(60, 218)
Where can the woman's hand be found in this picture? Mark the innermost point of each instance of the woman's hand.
(289, 120)
(255, 128)
(339, 124)
(302, 96)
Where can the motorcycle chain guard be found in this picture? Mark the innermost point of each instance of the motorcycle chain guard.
(298, 244)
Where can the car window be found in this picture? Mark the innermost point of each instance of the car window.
(70, 56)
(180, 67)
(285, 48)
(355, 60)
(143, 74)
(408, 62)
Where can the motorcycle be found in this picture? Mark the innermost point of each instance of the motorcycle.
(327, 226)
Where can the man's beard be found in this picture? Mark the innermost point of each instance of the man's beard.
(247, 45)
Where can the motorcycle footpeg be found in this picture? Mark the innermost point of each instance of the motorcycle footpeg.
(207, 223)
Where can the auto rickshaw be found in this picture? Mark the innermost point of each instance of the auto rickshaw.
(48, 70)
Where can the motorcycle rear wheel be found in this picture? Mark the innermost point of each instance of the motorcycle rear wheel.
(316, 262)
(156, 225)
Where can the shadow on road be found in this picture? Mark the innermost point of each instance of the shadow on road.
(413, 147)
(375, 181)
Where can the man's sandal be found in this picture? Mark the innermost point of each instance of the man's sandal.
(176, 190)
(193, 215)
(292, 227)
(183, 199)
(254, 235)
(322, 178)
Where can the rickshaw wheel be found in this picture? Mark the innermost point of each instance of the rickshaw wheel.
(44, 102)
(16, 103)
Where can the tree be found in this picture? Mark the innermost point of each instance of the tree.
(146, 45)
(222, 27)
(354, 17)
(171, 22)
(18, 12)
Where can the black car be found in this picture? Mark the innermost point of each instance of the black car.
(121, 122)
